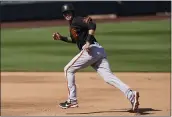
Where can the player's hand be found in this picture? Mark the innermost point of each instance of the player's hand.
(87, 46)
(56, 36)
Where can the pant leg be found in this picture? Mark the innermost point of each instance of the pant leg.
(80, 61)
(103, 69)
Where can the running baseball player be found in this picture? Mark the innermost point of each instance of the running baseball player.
(92, 54)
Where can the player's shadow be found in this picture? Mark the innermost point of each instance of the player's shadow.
(141, 111)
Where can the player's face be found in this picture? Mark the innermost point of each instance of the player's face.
(68, 15)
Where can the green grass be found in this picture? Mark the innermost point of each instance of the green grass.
(130, 46)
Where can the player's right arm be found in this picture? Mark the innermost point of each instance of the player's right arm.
(57, 36)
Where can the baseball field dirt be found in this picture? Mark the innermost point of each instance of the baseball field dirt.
(38, 94)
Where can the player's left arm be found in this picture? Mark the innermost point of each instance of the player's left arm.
(91, 31)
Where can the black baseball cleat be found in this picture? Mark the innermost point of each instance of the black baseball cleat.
(68, 104)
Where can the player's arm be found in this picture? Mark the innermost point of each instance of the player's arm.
(67, 39)
(89, 39)
(57, 36)
(91, 26)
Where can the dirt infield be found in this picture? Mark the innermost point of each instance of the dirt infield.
(38, 94)
(32, 24)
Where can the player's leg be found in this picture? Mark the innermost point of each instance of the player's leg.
(103, 69)
(80, 61)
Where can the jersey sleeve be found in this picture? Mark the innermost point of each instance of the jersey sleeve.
(73, 41)
(86, 22)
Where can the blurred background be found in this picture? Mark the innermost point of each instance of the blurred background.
(46, 10)
(135, 34)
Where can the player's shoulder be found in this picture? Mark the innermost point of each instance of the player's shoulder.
(79, 19)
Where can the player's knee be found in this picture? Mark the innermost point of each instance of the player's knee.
(65, 69)
(68, 69)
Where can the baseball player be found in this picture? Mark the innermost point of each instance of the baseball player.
(92, 54)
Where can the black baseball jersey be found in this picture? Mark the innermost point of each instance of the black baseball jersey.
(79, 28)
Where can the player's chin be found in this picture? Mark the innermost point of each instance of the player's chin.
(68, 18)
